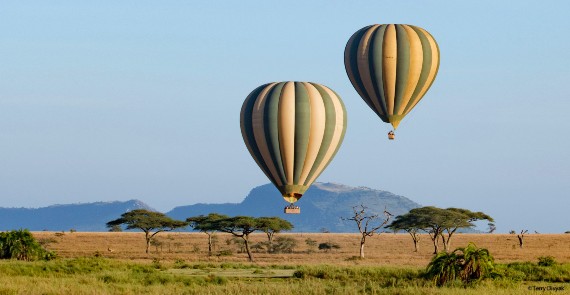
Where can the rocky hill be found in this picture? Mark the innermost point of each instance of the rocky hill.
(322, 206)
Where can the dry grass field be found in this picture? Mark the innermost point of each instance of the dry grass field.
(384, 249)
(181, 265)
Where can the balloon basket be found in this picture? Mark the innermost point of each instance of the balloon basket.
(291, 209)
(391, 135)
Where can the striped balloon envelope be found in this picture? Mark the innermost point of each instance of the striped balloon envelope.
(293, 130)
(391, 67)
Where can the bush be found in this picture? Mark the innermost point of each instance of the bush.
(116, 228)
(284, 245)
(311, 244)
(477, 263)
(280, 245)
(546, 261)
(300, 274)
(328, 246)
(21, 245)
(180, 263)
(534, 273)
(260, 247)
(239, 242)
(444, 268)
(227, 252)
(383, 277)
(468, 264)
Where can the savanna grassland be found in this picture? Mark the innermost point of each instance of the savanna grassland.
(116, 263)
(384, 249)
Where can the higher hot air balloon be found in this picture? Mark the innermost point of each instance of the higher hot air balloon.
(293, 130)
(391, 67)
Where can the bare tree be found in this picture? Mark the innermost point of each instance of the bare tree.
(368, 224)
(520, 236)
(492, 227)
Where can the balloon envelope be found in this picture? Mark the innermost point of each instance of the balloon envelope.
(391, 67)
(293, 130)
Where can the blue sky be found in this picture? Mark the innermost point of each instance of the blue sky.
(116, 100)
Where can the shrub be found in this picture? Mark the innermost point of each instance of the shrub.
(468, 264)
(444, 268)
(328, 246)
(216, 280)
(180, 263)
(47, 241)
(533, 272)
(157, 264)
(311, 244)
(354, 258)
(546, 261)
(116, 228)
(300, 274)
(21, 245)
(383, 277)
(477, 263)
(284, 245)
(260, 247)
(239, 242)
(227, 252)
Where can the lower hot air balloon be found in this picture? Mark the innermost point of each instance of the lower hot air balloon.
(293, 130)
(391, 67)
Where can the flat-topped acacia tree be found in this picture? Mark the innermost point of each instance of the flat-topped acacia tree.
(438, 223)
(206, 224)
(271, 226)
(150, 222)
(238, 226)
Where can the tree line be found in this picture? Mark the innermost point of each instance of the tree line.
(152, 223)
(439, 224)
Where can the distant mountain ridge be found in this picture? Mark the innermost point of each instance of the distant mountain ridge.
(322, 208)
(80, 217)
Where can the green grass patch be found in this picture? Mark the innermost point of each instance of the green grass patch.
(107, 276)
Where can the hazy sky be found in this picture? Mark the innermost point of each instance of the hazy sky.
(115, 100)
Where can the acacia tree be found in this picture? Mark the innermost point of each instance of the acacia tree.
(438, 223)
(272, 225)
(206, 224)
(428, 219)
(456, 218)
(409, 225)
(150, 222)
(368, 224)
(239, 226)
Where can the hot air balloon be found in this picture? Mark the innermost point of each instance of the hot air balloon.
(391, 67)
(293, 130)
